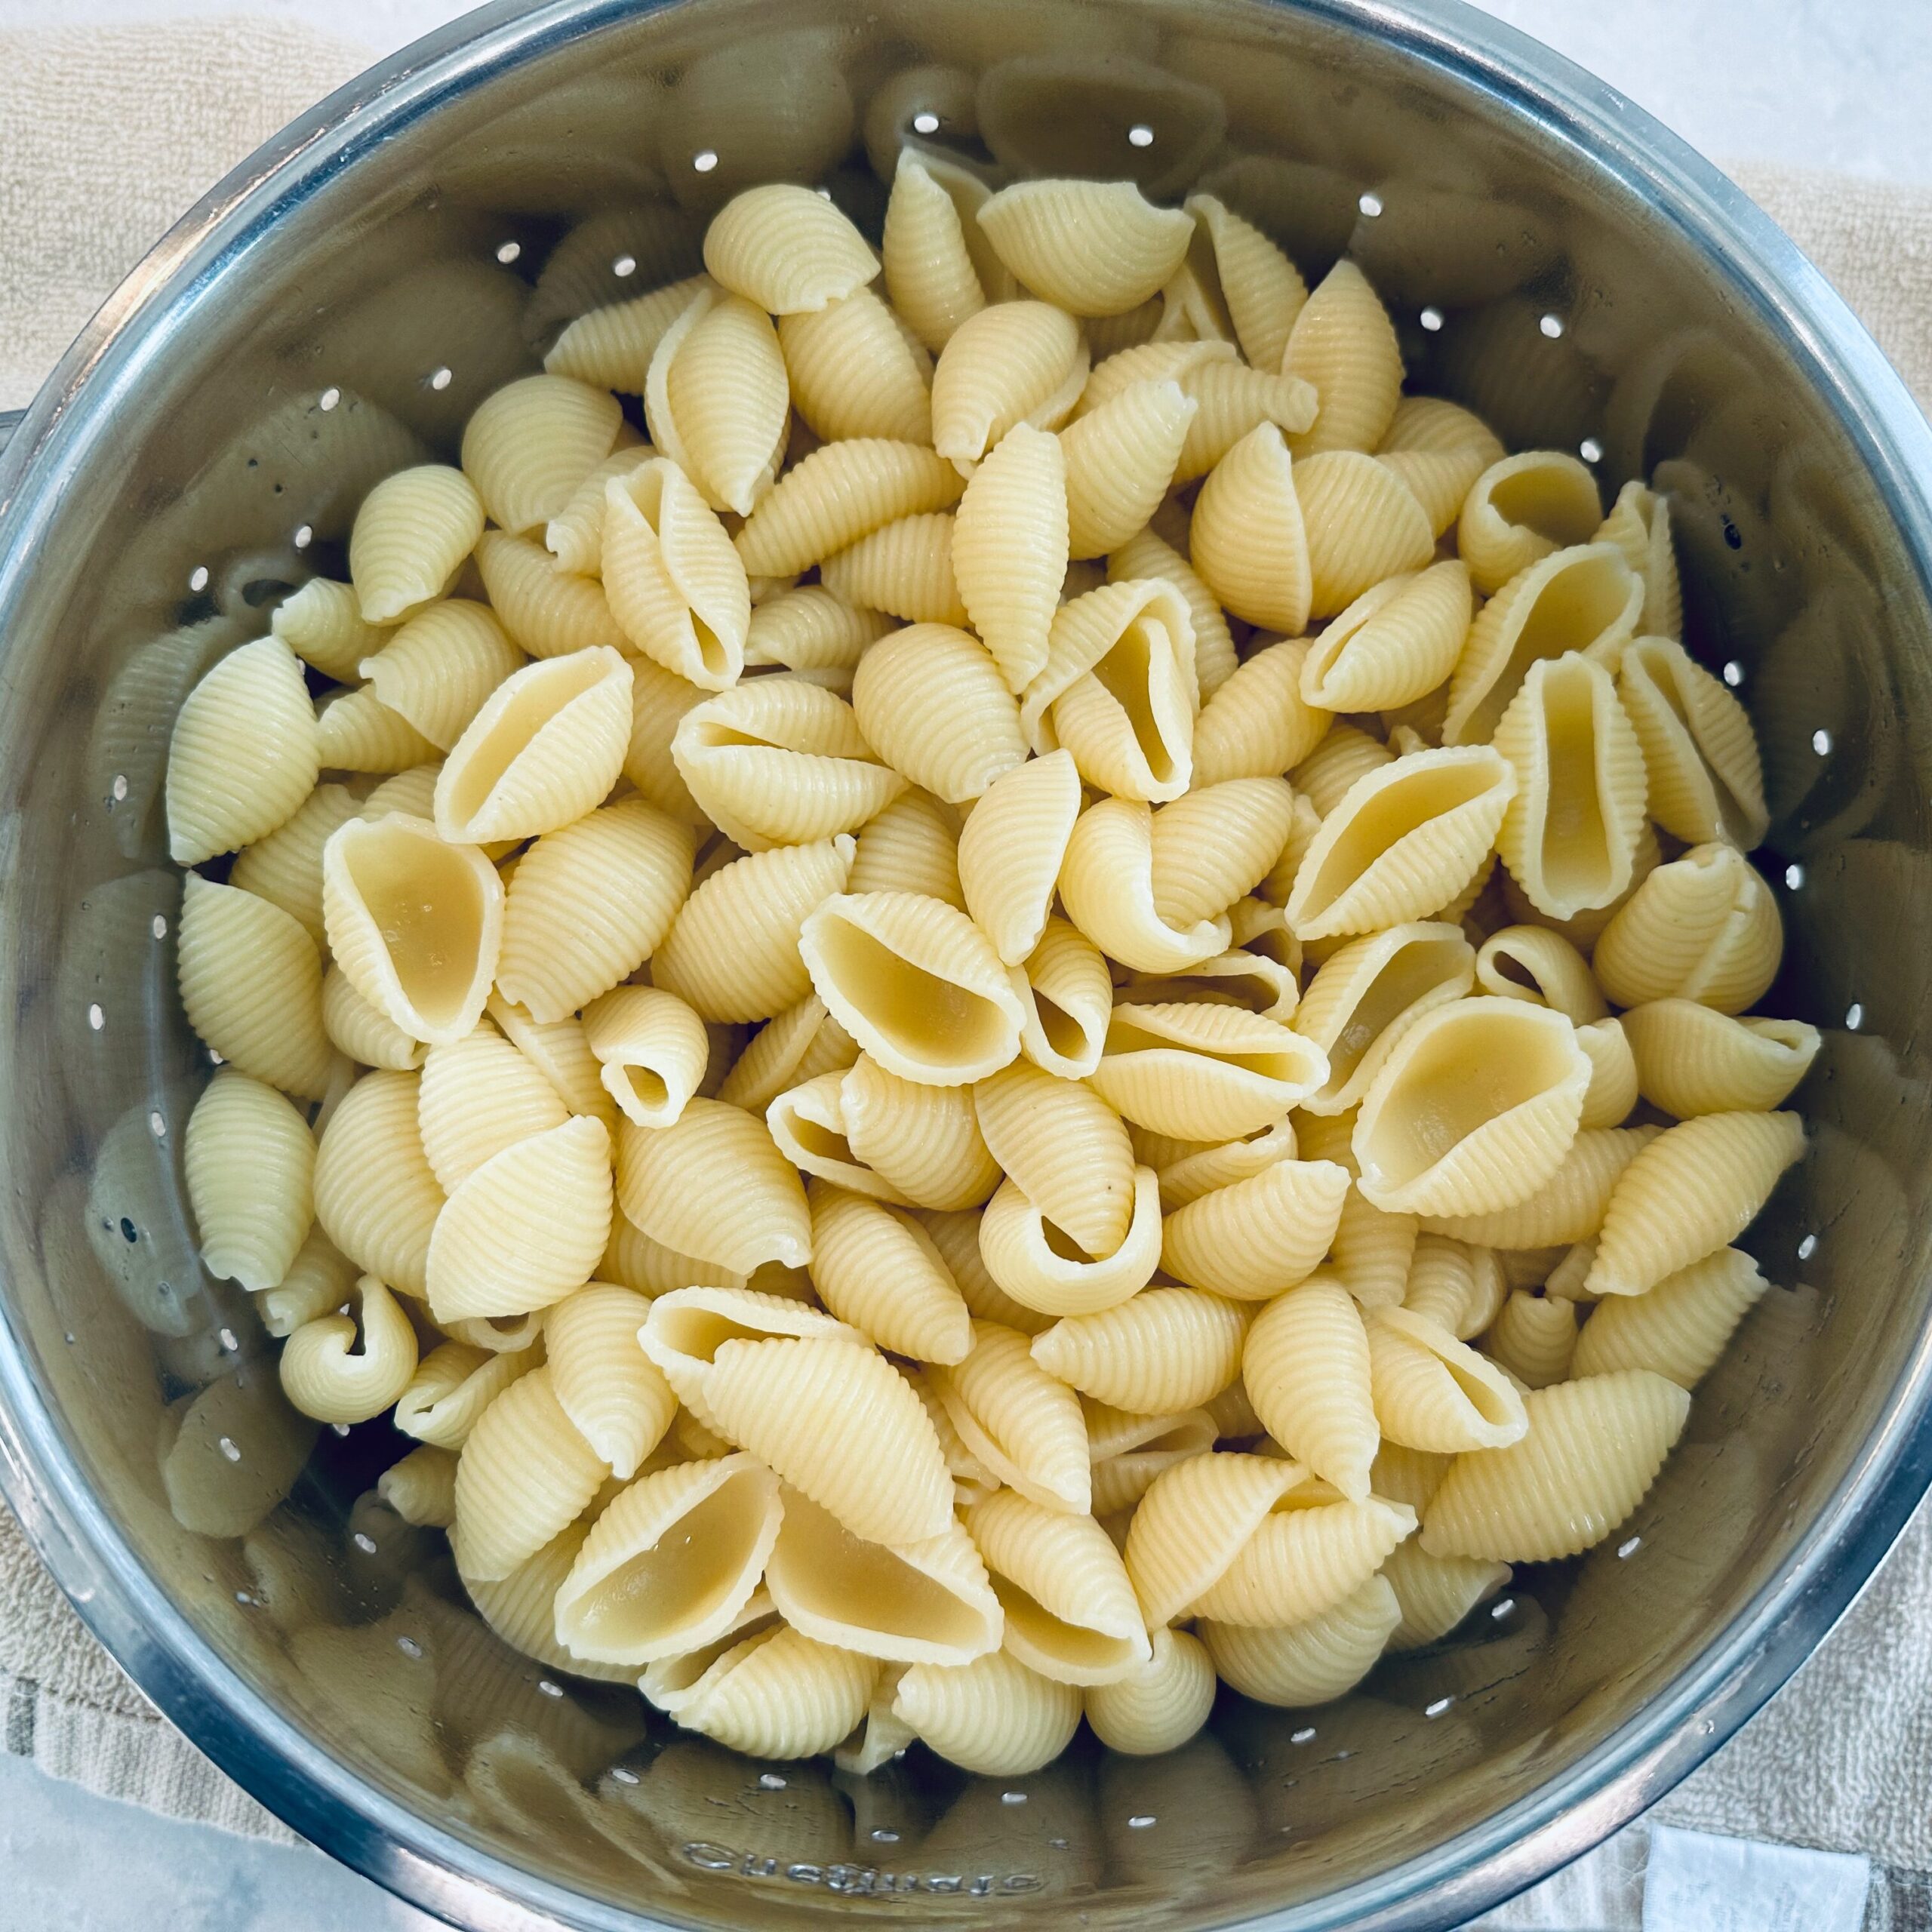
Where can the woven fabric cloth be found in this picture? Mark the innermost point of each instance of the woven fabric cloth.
(109, 134)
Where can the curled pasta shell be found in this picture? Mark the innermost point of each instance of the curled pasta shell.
(322, 624)
(1188, 1169)
(956, 1235)
(1126, 649)
(1569, 1207)
(614, 1394)
(1203, 1072)
(1193, 1522)
(651, 1049)
(659, 700)
(1106, 884)
(1533, 1337)
(1068, 995)
(345, 1369)
(1147, 555)
(1299, 1665)
(795, 1047)
(1011, 850)
(992, 1716)
(1247, 539)
(1693, 1060)
(1639, 525)
(807, 1125)
(524, 1475)
(1372, 1251)
(925, 1142)
(1251, 980)
(1593, 1449)
(1612, 1092)
(1432, 1393)
(778, 1694)
(1024, 1426)
(1009, 549)
(717, 399)
(1130, 1450)
(478, 1096)
(1343, 343)
(786, 250)
(1678, 1329)
(250, 1165)
(1434, 425)
(1520, 509)
(931, 699)
(1158, 1705)
(904, 568)
(685, 1327)
(611, 346)
(1438, 480)
(1262, 290)
(1533, 963)
(548, 612)
(1165, 1350)
(1029, 1265)
(559, 1053)
(1065, 1149)
(1406, 838)
(1435, 1593)
(1306, 1365)
(809, 629)
(1703, 927)
(1258, 724)
(1254, 1237)
(838, 494)
(420, 1488)
(1362, 525)
(1706, 780)
(931, 273)
(1232, 399)
(1457, 1287)
(411, 533)
(1307, 1557)
(1120, 458)
(451, 1388)
(285, 867)
(675, 584)
(1011, 363)
(1395, 643)
(375, 1197)
(878, 1270)
(857, 371)
(415, 923)
(527, 445)
(1094, 247)
(1214, 845)
(1473, 1110)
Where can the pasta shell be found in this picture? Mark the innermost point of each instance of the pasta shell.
(1023, 1425)
(1585, 599)
(617, 1397)
(1010, 541)
(559, 1052)
(956, 1235)
(1433, 1393)
(1231, 400)
(1567, 1207)
(1213, 846)
(1106, 884)
(1251, 980)
(1435, 1593)
(777, 1693)
(1408, 1476)
(992, 1716)
(524, 1475)
(285, 867)
(1094, 247)
(451, 1388)
(840, 494)
(717, 400)
(1120, 460)
(1254, 1237)
(1258, 724)
(1363, 524)
(1639, 525)
(528, 445)
(659, 700)
(321, 622)
(1693, 1060)
(838, 1423)
(856, 371)
(1458, 1287)
(1689, 1191)
(714, 1185)
(1306, 1365)
(1432, 425)
(685, 1327)
(1343, 343)
(250, 1165)
(670, 1565)
(904, 568)
(1203, 1072)
(675, 586)
(1395, 643)
(611, 346)
(1704, 927)
(1405, 839)
(575, 537)
(1065, 1149)
(1140, 1449)
(1535, 963)
(1307, 1558)
(1158, 1706)
(1438, 480)
(1302, 1664)
(915, 982)
(415, 923)
(1008, 364)
(809, 629)
(928, 1603)
(1678, 1329)
(786, 250)
(1259, 285)
(1520, 510)
(925, 1142)
(250, 982)
(375, 1196)
(878, 1269)
(1147, 555)
(732, 952)
(1167, 1349)
(413, 531)
(1193, 1522)
(478, 1095)
(1035, 1269)
(1612, 1092)
(1344, 754)
(651, 1049)
(526, 1227)
(547, 612)
(1188, 1169)
(519, 1608)
(1533, 1337)
(1247, 539)
(1473, 1110)
(1067, 996)
(1011, 850)
(421, 1488)
(801, 1043)
(547, 745)
(931, 274)
(244, 754)
(807, 1125)
(1372, 1250)
(1593, 1449)
(1701, 754)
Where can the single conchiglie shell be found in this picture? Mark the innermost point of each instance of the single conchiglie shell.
(1024, 1426)
(1193, 1521)
(809, 629)
(344, 1369)
(1106, 884)
(904, 567)
(1159, 1705)
(1693, 1060)
(410, 534)
(321, 622)
(877, 1269)
(478, 1096)
(524, 1475)
(1120, 461)
(1256, 981)
(617, 1397)
(547, 612)
(420, 1488)
(1214, 845)
(1260, 286)
(611, 346)
(1436, 1593)
(1612, 1092)
(1009, 549)
(575, 537)
(797, 1045)
(778, 1694)
(1706, 779)
(250, 1164)
(1013, 362)
(1258, 724)
(366, 1035)
(1254, 1237)
(1430, 423)
(1300, 1666)
(1067, 993)
(1166, 1349)
(1432, 1391)
(1344, 343)
(1188, 1169)
(931, 701)
(355, 731)
(933, 247)
(1155, 362)
(1344, 754)
(956, 1235)
(993, 1716)
(1533, 1337)
(652, 1049)
(528, 445)
(1147, 555)
(1247, 539)
(1522, 507)
(452, 1386)
(808, 1124)
(558, 1051)
(1678, 1329)
(1362, 525)
(1034, 1269)
(1593, 1448)
(1372, 1251)
(1201, 1072)
(1095, 247)
(857, 369)
(1639, 525)
(1395, 643)
(1533, 963)
(1703, 927)
(375, 1196)
(718, 402)
(786, 250)
(675, 586)
(1308, 1556)
(1011, 850)
(685, 1327)
(839, 494)
(1438, 480)
(244, 754)
(1307, 1368)
(1232, 400)
(923, 1143)
(1567, 1207)
(1064, 1147)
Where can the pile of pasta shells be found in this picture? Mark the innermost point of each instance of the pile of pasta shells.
(1046, 1006)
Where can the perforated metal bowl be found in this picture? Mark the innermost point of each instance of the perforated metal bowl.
(334, 309)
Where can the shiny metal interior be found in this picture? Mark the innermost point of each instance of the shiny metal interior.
(334, 311)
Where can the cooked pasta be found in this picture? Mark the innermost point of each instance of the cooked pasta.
(856, 371)
(1009, 549)
(1014, 362)
(718, 400)
(714, 1185)
(1254, 1237)
(1095, 247)
(840, 494)
(1261, 289)
(321, 622)
(1147, 555)
(1395, 643)
(1257, 724)
(1431, 1392)
(932, 702)
(438, 669)
(1307, 1367)
(1120, 460)
(476, 1096)
(548, 612)
(993, 1716)
(1194, 1521)
(1343, 343)
(420, 1488)
(355, 731)
(932, 274)
(1706, 779)
(250, 1165)
(1247, 539)
(1065, 1149)
(1691, 1059)
(411, 536)
(923, 1141)
(613, 344)
(1639, 525)
(1017, 1242)
(1159, 1705)
(1025, 1426)
(1677, 1329)
(1702, 928)
(343, 1368)
(1203, 1072)
(1010, 852)
(1314, 1662)
(1106, 884)
(529, 444)
(1308, 1555)
(786, 250)
(1166, 1349)
(876, 1268)
(1435, 1593)
(523, 1475)
(1521, 508)
(1067, 996)
(1569, 1207)
(651, 1050)
(1533, 1337)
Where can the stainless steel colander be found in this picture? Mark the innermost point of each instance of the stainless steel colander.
(332, 311)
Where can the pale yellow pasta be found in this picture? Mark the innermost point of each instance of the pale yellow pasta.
(778, 1694)
(1584, 599)
(1094, 247)
(1344, 754)
(1064, 1147)
(612, 346)
(877, 1269)
(1435, 1593)
(1192, 1523)
(972, 1481)
(1307, 1366)
(1693, 1060)
(717, 399)
(1247, 539)
(839, 494)
(321, 622)
(786, 250)
(1018, 1244)
(1533, 963)
(1261, 290)
(1408, 1476)
(1533, 1337)
(1706, 780)
(1162, 359)
(1372, 1251)
(651, 1051)
(1013, 362)
(1067, 996)
(1309, 1555)
(1254, 1237)
(732, 952)
(931, 701)
(1612, 1092)
(348, 1368)
(1203, 1072)
(1677, 1329)
(1302, 1665)
(1231, 400)
(243, 753)
(376, 1195)
(1639, 525)
(1159, 1705)
(634, 1260)
(1343, 343)
(450, 1389)
(420, 1488)
(558, 1050)
(857, 371)
(438, 669)
(993, 1716)
(1253, 981)
(939, 265)
(714, 1185)
(1433, 426)
(807, 1125)
(685, 1328)
(520, 1607)
(548, 612)
(476, 1096)
(1106, 884)
(923, 1141)
(523, 1475)
(1258, 724)
(356, 731)
(1130, 1450)
(1433, 1393)
(1438, 479)
(1593, 1449)
(410, 537)
(415, 923)
(904, 567)
(1703, 927)
(1520, 510)
(1120, 460)
(1166, 1349)
(1361, 524)
(1394, 644)
(1009, 549)
(618, 1399)
(1010, 852)
(250, 1164)
(250, 982)
(1569, 1207)
(1147, 555)
(528, 445)
(1025, 1426)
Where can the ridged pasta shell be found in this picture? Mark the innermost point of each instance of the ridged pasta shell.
(520, 1607)
(1302, 1664)
(1344, 754)
(915, 982)
(546, 746)
(1009, 549)
(786, 250)
(807, 1125)
(1011, 850)
(1106, 884)
(635, 1261)
(250, 1165)
(1261, 289)
(659, 700)
(1158, 1705)
(1147, 555)
(1569, 1207)
(1409, 1476)
(904, 568)
(478, 1095)
(956, 1235)
(1593, 1449)
(1612, 1092)
(1533, 963)
(1142, 1448)
(413, 531)
(1692, 1190)
(1473, 1110)
(1064, 1148)
(615, 1395)
(778, 1694)
(798, 1045)
(1343, 343)
(1372, 1251)
(415, 923)
(527, 446)
(524, 1475)
(548, 612)
(1214, 845)
(878, 1270)
(1584, 599)
(321, 622)
(1692, 1060)
(611, 346)
(1252, 981)
(838, 1423)
(651, 1049)
(1247, 539)
(1167, 1349)
(931, 699)
(1306, 1367)
(1533, 1337)
(809, 629)
(420, 1488)
(1192, 1523)
(1678, 1329)
(1405, 839)
(1703, 927)
(1706, 780)
(1203, 1072)
(1436, 426)
(285, 867)
(1306, 1557)
(375, 1197)
(575, 537)
(250, 982)
(718, 402)
(1094, 247)
(1438, 480)
(992, 1716)
(732, 952)
(1395, 643)
(1011, 363)
(685, 1327)
(674, 583)
(1023, 1425)
(925, 1142)
(1521, 508)
(244, 754)
(559, 1051)
(1120, 460)
(1362, 524)
(931, 273)
(857, 371)
(452, 1386)
(840, 494)
(1254, 1237)
(1639, 525)
(1022, 1255)
(714, 1185)
(1068, 995)
(1258, 724)
(1232, 399)
(1431, 1392)
(1188, 1169)
(526, 1227)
